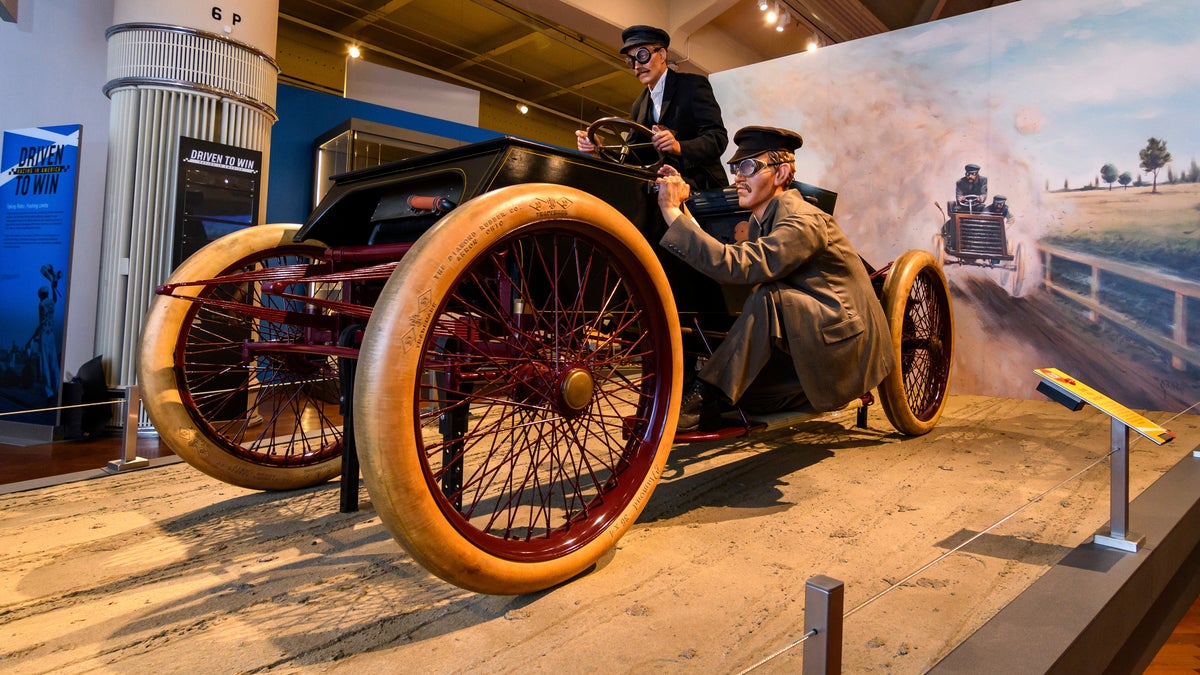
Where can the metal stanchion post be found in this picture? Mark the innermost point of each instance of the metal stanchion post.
(129, 458)
(824, 599)
(1119, 536)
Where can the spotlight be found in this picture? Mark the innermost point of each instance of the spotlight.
(771, 16)
(784, 18)
(355, 52)
(523, 108)
(762, 5)
(812, 45)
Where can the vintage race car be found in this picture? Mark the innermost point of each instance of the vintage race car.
(500, 330)
(974, 236)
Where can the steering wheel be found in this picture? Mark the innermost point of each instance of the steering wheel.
(625, 142)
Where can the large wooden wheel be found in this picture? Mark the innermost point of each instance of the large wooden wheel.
(253, 417)
(916, 299)
(518, 388)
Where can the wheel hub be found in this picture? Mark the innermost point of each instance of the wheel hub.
(575, 390)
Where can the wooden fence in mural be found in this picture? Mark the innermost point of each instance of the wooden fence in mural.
(1095, 282)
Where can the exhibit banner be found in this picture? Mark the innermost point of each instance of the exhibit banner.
(38, 181)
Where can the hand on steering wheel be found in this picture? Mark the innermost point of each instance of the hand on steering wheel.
(623, 142)
(971, 202)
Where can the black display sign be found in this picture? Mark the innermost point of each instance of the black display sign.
(218, 193)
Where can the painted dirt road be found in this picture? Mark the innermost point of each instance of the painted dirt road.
(1009, 337)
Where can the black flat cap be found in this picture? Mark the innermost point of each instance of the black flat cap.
(972, 168)
(635, 36)
(754, 141)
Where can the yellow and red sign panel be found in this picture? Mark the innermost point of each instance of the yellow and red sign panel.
(1076, 389)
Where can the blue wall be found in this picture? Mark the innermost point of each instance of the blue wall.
(303, 116)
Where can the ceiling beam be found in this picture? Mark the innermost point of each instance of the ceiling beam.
(381, 12)
(420, 66)
(689, 16)
(700, 46)
(930, 10)
(506, 44)
(577, 88)
(840, 21)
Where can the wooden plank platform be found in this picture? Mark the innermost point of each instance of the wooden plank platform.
(165, 568)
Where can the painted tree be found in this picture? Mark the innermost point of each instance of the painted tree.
(1154, 157)
(1124, 179)
(1109, 173)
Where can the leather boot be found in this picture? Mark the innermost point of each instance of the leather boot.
(699, 402)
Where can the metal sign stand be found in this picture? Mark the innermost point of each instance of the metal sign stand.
(1068, 391)
(129, 459)
(1119, 536)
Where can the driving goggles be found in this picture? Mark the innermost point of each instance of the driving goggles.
(748, 167)
(640, 56)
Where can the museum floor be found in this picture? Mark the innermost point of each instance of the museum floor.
(155, 569)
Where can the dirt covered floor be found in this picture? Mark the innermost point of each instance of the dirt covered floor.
(166, 570)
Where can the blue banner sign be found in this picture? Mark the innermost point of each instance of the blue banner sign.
(38, 180)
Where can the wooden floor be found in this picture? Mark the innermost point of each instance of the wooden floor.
(1181, 653)
(45, 462)
(20, 463)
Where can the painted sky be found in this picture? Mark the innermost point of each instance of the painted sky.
(1037, 92)
(1084, 82)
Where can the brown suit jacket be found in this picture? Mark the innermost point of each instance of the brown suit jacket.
(834, 325)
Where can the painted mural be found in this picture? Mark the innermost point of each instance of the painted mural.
(1081, 115)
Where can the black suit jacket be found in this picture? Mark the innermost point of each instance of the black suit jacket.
(690, 109)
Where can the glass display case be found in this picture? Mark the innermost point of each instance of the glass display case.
(359, 144)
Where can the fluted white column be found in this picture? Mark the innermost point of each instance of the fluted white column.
(166, 81)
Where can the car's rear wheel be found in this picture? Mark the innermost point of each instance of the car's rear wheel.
(218, 394)
(916, 299)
